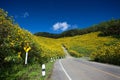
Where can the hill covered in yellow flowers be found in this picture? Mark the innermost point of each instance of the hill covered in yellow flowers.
(99, 48)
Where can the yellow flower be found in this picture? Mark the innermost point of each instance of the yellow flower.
(19, 54)
(12, 44)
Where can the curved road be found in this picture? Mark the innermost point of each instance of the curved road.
(78, 69)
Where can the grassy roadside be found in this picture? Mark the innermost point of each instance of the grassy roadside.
(36, 74)
(31, 72)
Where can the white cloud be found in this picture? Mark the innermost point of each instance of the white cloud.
(26, 14)
(61, 26)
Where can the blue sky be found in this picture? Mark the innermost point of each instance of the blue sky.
(55, 16)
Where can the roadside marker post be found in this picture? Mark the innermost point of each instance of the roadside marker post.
(26, 57)
(43, 70)
(26, 50)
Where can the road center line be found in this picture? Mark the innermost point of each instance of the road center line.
(64, 70)
(102, 71)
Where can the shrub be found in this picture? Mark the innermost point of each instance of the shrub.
(75, 54)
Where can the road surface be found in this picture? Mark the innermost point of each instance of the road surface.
(78, 69)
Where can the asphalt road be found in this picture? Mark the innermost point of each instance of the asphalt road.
(78, 69)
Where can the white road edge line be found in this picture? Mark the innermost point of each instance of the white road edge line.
(64, 70)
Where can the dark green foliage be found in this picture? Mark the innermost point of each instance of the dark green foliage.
(68, 33)
(110, 28)
(46, 34)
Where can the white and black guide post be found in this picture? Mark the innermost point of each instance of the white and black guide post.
(43, 70)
